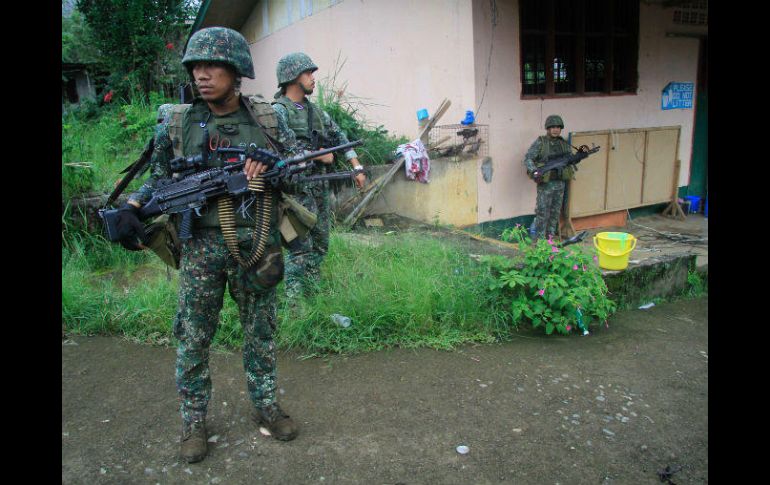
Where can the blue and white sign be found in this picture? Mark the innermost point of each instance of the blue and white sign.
(677, 96)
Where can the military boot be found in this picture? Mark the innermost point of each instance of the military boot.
(194, 447)
(280, 425)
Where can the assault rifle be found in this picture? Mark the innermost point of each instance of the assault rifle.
(559, 162)
(190, 190)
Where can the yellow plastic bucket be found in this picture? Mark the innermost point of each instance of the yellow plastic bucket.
(614, 248)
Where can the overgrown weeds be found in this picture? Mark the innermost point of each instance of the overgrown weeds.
(98, 142)
(408, 291)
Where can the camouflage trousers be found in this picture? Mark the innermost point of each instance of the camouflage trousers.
(206, 269)
(550, 197)
(304, 258)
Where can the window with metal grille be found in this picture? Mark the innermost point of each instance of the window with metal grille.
(578, 47)
(692, 13)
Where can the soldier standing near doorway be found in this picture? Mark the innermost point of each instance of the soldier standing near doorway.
(551, 185)
(309, 128)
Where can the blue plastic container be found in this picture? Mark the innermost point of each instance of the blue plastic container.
(706, 208)
(422, 114)
(694, 203)
(469, 118)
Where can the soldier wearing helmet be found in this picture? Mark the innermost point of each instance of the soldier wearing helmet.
(216, 59)
(551, 186)
(309, 128)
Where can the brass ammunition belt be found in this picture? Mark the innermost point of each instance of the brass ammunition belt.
(261, 231)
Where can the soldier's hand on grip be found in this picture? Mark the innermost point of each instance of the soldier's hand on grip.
(130, 228)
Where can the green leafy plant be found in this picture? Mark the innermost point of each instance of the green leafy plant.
(697, 284)
(555, 288)
(140, 41)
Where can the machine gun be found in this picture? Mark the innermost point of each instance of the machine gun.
(559, 162)
(190, 190)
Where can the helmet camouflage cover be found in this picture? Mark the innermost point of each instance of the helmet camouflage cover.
(163, 111)
(292, 65)
(554, 120)
(220, 44)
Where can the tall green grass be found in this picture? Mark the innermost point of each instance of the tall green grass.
(98, 142)
(407, 291)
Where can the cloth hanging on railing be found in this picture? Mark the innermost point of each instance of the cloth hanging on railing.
(416, 161)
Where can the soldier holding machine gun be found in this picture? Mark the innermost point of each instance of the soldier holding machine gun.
(550, 165)
(308, 127)
(231, 241)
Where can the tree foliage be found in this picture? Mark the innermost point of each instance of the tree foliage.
(77, 40)
(140, 40)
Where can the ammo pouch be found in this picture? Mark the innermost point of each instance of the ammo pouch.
(295, 221)
(161, 238)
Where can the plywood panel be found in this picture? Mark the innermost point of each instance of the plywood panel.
(625, 169)
(586, 192)
(662, 148)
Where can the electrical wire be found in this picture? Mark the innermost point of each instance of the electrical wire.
(493, 7)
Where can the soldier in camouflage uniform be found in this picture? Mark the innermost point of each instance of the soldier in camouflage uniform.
(161, 155)
(216, 58)
(551, 185)
(303, 118)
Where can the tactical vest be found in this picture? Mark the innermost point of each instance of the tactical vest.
(251, 125)
(260, 108)
(550, 146)
(187, 135)
(299, 121)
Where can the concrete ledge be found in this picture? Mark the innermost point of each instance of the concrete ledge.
(657, 277)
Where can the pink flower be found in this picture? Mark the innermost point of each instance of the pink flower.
(554, 249)
(595, 259)
(550, 240)
(575, 267)
(569, 327)
(541, 292)
(518, 225)
(550, 258)
(108, 97)
(170, 46)
(584, 267)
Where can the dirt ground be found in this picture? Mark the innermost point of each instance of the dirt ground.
(616, 407)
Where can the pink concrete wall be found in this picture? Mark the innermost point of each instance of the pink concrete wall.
(399, 55)
(515, 123)
(402, 55)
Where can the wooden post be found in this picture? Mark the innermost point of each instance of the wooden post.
(674, 210)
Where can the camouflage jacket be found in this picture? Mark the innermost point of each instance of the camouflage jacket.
(540, 149)
(294, 129)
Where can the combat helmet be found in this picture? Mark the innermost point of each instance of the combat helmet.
(163, 111)
(220, 44)
(292, 65)
(554, 120)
